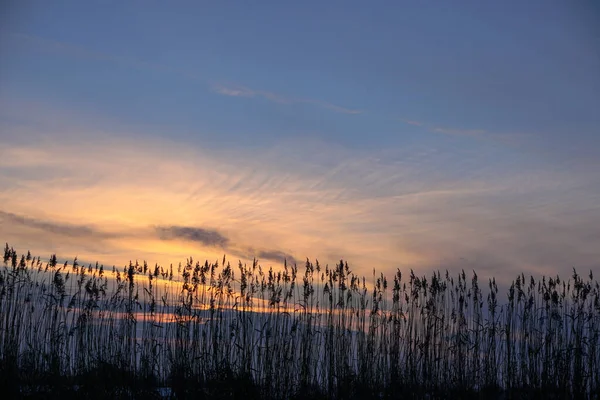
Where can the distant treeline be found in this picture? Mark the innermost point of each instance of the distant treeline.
(213, 330)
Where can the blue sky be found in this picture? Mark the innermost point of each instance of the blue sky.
(395, 134)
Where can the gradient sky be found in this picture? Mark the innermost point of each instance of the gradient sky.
(400, 134)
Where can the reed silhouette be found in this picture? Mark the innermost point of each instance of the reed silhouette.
(211, 330)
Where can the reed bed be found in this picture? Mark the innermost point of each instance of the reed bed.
(213, 330)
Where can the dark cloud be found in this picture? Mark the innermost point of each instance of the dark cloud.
(276, 255)
(250, 253)
(52, 227)
(208, 237)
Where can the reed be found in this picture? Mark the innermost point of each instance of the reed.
(214, 330)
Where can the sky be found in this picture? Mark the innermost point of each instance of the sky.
(392, 134)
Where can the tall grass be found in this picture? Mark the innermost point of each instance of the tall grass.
(218, 331)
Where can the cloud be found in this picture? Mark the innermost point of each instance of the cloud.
(213, 238)
(43, 236)
(245, 252)
(241, 91)
(460, 132)
(330, 106)
(234, 92)
(420, 206)
(226, 90)
(208, 237)
(55, 228)
(504, 138)
(275, 255)
(72, 50)
(445, 130)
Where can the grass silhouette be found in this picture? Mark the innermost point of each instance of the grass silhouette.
(210, 330)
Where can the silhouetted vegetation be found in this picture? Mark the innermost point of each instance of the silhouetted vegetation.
(210, 330)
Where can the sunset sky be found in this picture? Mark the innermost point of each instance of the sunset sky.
(399, 134)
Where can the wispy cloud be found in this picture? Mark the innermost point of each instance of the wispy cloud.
(412, 122)
(446, 130)
(234, 92)
(55, 228)
(72, 50)
(330, 106)
(207, 238)
(504, 138)
(226, 90)
(405, 208)
(242, 91)
(460, 132)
